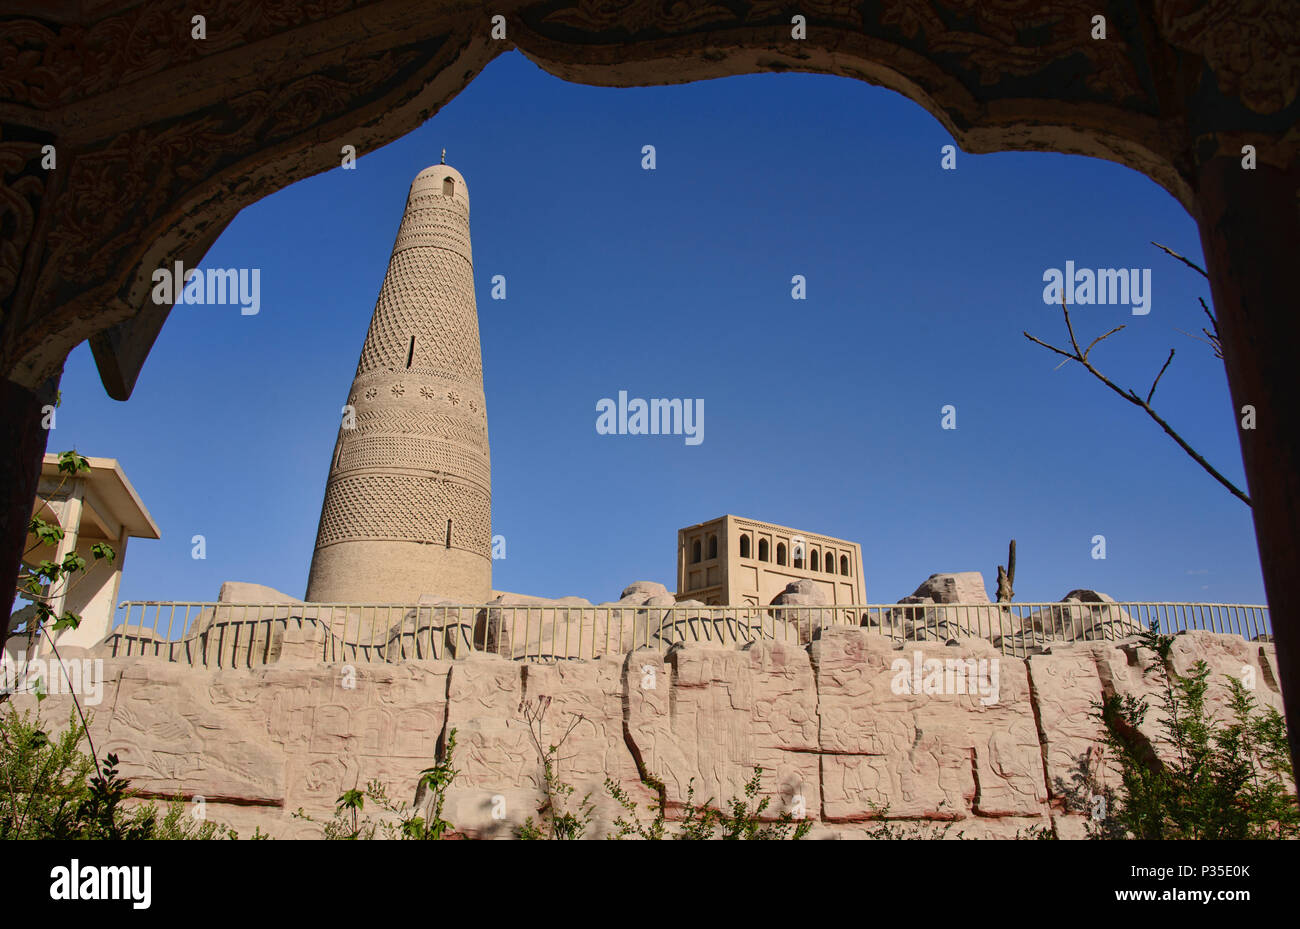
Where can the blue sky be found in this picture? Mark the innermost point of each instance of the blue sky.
(821, 414)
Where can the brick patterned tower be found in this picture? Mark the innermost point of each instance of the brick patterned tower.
(408, 503)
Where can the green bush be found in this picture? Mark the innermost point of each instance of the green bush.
(350, 821)
(1224, 778)
(50, 789)
(555, 820)
(741, 819)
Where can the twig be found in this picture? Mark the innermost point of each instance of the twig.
(1218, 351)
(1213, 322)
(1100, 337)
(1151, 393)
(1215, 342)
(1132, 397)
(75, 702)
(1191, 264)
(1212, 337)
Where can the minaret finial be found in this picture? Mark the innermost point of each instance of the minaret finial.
(444, 156)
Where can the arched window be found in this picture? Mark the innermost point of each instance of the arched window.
(780, 553)
(812, 561)
(695, 551)
(713, 546)
(762, 550)
(844, 565)
(830, 562)
(448, 187)
(744, 546)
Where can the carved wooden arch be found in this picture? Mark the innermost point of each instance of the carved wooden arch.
(161, 139)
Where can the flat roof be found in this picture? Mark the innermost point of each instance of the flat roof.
(762, 524)
(109, 485)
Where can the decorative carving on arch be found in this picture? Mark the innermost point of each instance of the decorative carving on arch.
(22, 187)
(1003, 76)
(164, 186)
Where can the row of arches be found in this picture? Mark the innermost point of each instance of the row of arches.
(815, 561)
(697, 548)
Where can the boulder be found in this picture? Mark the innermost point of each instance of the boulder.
(900, 620)
(1085, 615)
(1022, 644)
(683, 626)
(639, 592)
(802, 625)
(548, 628)
(244, 592)
(802, 591)
(921, 619)
(432, 630)
(240, 613)
(1084, 595)
(963, 587)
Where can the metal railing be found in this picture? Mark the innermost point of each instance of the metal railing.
(215, 634)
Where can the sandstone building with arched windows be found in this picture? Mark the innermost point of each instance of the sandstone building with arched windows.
(732, 560)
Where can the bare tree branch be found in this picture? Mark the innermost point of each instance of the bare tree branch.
(1213, 322)
(1209, 340)
(1190, 264)
(1132, 397)
(1099, 338)
(1058, 351)
(1151, 393)
(1212, 334)
(1215, 342)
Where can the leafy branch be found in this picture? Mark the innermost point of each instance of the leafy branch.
(49, 581)
(40, 585)
(742, 818)
(397, 820)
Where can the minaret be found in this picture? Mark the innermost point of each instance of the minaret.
(408, 503)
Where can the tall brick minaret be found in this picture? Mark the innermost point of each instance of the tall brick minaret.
(408, 503)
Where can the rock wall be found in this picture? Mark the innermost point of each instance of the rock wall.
(825, 721)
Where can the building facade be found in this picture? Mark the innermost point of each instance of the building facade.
(91, 506)
(734, 561)
(408, 502)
